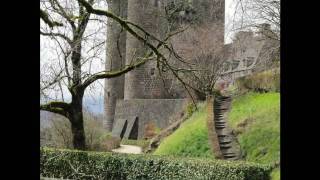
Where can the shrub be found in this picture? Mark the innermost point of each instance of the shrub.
(260, 82)
(150, 130)
(94, 165)
(191, 108)
(107, 143)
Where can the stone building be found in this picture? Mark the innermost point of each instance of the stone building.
(248, 53)
(144, 83)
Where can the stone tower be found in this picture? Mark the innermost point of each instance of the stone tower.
(115, 59)
(144, 82)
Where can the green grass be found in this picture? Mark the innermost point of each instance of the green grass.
(275, 174)
(190, 140)
(260, 141)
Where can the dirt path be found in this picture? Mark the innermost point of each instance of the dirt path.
(130, 149)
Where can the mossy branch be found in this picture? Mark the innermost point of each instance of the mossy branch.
(58, 107)
(115, 73)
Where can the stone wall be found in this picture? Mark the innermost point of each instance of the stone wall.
(142, 82)
(161, 112)
(115, 59)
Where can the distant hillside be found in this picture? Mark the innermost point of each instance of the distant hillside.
(94, 105)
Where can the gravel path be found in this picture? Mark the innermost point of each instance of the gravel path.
(130, 149)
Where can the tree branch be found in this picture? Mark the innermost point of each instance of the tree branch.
(58, 35)
(115, 73)
(123, 23)
(58, 107)
(45, 17)
(63, 13)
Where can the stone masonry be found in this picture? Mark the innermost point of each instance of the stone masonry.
(145, 82)
(115, 59)
(161, 112)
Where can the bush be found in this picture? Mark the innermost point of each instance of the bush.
(260, 82)
(106, 143)
(94, 165)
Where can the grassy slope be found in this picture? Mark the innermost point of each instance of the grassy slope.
(190, 140)
(260, 140)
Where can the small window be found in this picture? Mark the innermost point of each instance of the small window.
(152, 71)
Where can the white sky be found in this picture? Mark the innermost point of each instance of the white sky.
(229, 10)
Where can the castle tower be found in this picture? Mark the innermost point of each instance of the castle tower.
(143, 82)
(115, 59)
(211, 12)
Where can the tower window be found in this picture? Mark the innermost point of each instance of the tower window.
(152, 71)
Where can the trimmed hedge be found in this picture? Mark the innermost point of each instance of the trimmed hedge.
(73, 164)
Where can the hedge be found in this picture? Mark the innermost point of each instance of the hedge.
(71, 164)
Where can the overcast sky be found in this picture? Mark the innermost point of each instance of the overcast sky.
(94, 98)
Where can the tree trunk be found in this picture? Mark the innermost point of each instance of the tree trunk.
(76, 119)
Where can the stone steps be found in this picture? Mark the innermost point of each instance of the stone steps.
(229, 147)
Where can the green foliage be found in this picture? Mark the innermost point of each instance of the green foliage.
(263, 81)
(93, 165)
(275, 174)
(190, 139)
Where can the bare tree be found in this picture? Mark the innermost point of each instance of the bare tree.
(254, 13)
(66, 23)
(203, 48)
(205, 54)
